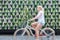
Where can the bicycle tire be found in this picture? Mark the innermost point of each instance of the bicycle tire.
(21, 34)
(48, 32)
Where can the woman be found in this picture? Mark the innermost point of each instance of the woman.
(41, 21)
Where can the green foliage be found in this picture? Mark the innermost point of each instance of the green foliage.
(13, 13)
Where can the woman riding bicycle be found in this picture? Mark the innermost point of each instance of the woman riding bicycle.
(41, 21)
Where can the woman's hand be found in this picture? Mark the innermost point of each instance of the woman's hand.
(32, 19)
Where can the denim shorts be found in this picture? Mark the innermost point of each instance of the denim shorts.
(43, 23)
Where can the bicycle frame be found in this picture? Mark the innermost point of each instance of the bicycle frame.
(29, 28)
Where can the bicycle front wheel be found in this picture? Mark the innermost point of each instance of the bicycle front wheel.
(21, 34)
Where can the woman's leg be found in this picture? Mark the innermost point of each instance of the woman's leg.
(39, 26)
(34, 24)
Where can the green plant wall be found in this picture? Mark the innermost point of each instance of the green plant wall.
(14, 12)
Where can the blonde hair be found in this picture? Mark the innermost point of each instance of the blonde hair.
(41, 7)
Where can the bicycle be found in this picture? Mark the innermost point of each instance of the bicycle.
(27, 32)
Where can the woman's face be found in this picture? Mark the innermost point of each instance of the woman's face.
(39, 8)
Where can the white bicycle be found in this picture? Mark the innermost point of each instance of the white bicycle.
(27, 33)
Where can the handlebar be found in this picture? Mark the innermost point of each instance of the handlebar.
(28, 21)
(25, 23)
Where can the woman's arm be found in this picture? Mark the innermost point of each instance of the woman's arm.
(36, 17)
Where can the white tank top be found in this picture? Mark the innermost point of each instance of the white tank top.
(41, 18)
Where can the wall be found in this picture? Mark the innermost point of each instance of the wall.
(14, 12)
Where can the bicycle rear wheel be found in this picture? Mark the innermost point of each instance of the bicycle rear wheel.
(21, 34)
(48, 33)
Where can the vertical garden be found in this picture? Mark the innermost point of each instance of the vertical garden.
(14, 12)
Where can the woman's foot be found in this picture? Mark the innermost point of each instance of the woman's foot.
(37, 39)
